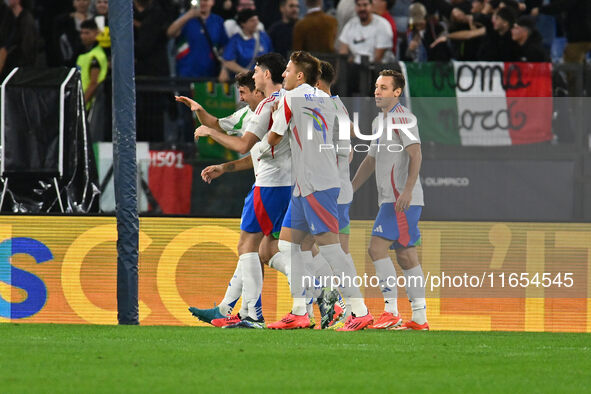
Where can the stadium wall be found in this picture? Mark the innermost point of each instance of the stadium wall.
(63, 270)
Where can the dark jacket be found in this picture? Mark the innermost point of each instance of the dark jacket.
(533, 50)
(23, 49)
(151, 41)
(498, 48)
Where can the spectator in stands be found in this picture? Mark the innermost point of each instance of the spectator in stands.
(281, 32)
(419, 38)
(316, 31)
(6, 33)
(231, 25)
(225, 8)
(66, 35)
(101, 17)
(151, 59)
(366, 34)
(25, 42)
(92, 63)
(199, 37)
(244, 47)
(578, 27)
(497, 43)
(382, 8)
(150, 46)
(268, 11)
(524, 33)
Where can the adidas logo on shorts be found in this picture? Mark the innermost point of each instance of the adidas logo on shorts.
(378, 229)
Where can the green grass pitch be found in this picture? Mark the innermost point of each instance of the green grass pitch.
(80, 358)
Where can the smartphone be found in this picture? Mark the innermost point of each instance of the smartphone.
(195, 3)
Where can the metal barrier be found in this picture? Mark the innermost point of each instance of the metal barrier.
(544, 168)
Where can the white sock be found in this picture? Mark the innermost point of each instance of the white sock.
(322, 270)
(253, 284)
(233, 292)
(312, 292)
(415, 289)
(278, 262)
(243, 307)
(343, 266)
(387, 273)
(291, 255)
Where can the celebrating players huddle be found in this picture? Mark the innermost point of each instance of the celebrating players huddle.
(296, 216)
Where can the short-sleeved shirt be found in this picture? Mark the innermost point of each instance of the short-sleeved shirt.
(194, 57)
(343, 151)
(307, 115)
(273, 168)
(235, 124)
(363, 40)
(392, 164)
(241, 49)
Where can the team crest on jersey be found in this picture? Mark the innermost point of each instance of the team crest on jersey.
(318, 121)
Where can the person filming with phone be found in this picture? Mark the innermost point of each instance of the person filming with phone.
(200, 36)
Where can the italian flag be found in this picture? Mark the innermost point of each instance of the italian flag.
(481, 103)
(182, 48)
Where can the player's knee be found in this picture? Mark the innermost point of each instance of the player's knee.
(265, 254)
(405, 258)
(374, 252)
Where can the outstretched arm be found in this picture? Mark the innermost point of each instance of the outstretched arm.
(460, 35)
(241, 144)
(205, 118)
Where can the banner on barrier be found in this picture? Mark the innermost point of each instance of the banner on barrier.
(479, 275)
(494, 103)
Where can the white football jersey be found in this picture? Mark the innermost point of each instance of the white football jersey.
(307, 114)
(273, 168)
(392, 160)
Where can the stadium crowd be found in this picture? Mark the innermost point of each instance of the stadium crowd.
(216, 39)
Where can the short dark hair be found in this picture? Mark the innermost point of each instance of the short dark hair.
(244, 15)
(313, 3)
(273, 62)
(88, 24)
(307, 64)
(397, 78)
(327, 72)
(508, 14)
(245, 79)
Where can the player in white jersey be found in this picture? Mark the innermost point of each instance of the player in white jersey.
(247, 277)
(344, 154)
(306, 116)
(266, 204)
(396, 159)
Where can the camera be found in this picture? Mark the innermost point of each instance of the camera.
(195, 3)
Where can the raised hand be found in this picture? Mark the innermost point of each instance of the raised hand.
(194, 105)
